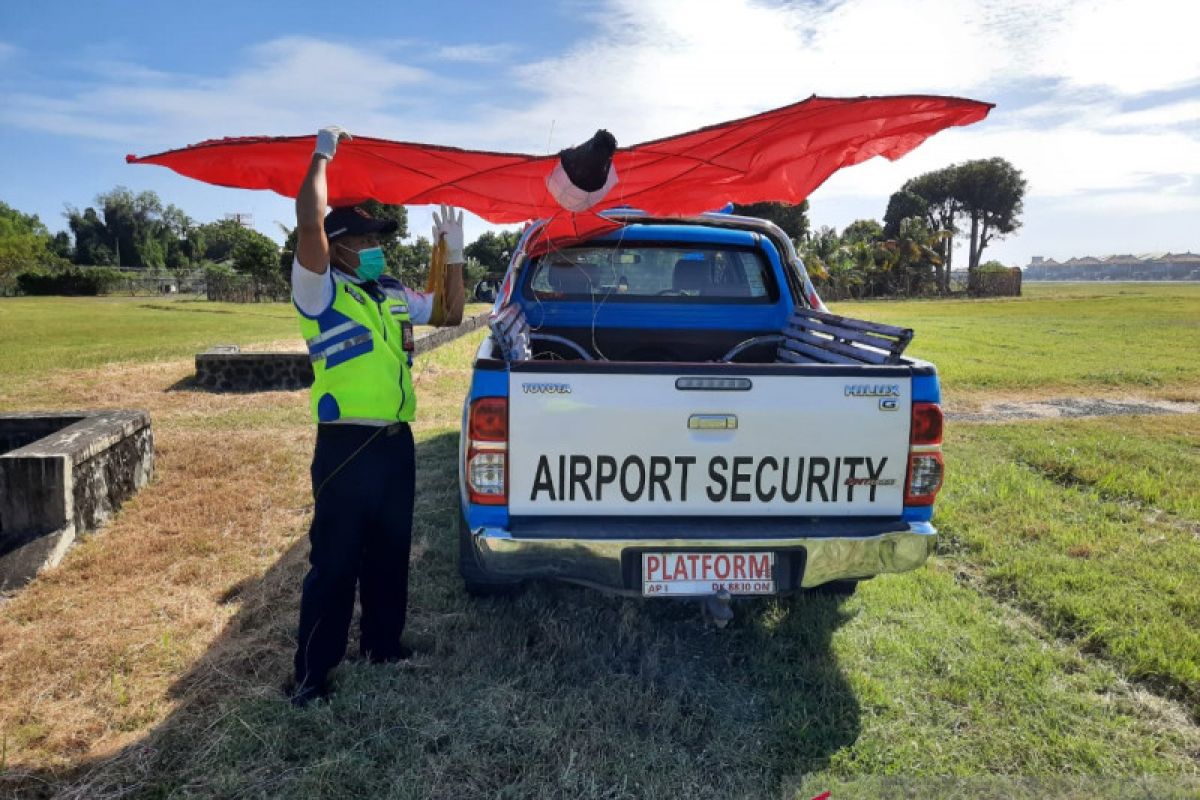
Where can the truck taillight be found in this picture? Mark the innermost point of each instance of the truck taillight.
(925, 465)
(487, 451)
(926, 423)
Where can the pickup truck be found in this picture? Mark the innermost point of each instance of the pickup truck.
(668, 409)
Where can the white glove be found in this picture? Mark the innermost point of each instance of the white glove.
(449, 226)
(327, 141)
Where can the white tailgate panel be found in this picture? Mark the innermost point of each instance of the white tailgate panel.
(615, 444)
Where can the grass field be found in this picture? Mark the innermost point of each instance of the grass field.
(1092, 526)
(1095, 338)
(41, 333)
(1049, 650)
(38, 334)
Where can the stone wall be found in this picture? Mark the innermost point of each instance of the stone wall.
(69, 480)
(226, 369)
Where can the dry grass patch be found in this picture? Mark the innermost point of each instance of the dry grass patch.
(134, 622)
(89, 651)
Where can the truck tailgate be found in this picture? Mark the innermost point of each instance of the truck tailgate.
(655, 440)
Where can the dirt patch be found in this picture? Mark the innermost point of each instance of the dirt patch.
(1010, 410)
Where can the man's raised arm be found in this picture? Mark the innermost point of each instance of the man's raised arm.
(312, 248)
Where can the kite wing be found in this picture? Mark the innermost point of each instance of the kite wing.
(780, 155)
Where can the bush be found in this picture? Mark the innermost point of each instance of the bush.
(72, 281)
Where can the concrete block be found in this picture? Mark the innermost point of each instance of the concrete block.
(224, 368)
(63, 474)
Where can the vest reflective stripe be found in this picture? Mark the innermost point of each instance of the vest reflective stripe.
(336, 330)
(360, 368)
(337, 347)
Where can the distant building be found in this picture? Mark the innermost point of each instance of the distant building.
(1127, 267)
(243, 218)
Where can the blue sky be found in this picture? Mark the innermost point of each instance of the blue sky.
(1098, 101)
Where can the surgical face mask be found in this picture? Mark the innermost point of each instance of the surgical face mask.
(371, 263)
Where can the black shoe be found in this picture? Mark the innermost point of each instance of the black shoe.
(402, 653)
(301, 696)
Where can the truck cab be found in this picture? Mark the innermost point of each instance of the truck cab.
(668, 409)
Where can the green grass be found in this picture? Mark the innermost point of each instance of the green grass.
(1068, 570)
(1093, 337)
(564, 692)
(1064, 520)
(1152, 461)
(38, 334)
(1089, 337)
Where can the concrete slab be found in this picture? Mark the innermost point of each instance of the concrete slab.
(61, 474)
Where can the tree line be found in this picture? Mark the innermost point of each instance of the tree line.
(123, 230)
(911, 251)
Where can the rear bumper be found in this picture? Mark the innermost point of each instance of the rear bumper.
(609, 557)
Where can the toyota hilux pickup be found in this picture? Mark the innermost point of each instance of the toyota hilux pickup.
(668, 409)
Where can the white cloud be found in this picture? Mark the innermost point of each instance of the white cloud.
(287, 85)
(1059, 162)
(1128, 47)
(1063, 70)
(475, 53)
(1167, 115)
(7, 51)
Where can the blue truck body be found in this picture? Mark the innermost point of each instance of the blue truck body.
(498, 548)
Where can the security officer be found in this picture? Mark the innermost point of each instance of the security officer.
(357, 324)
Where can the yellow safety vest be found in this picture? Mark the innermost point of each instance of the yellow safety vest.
(361, 351)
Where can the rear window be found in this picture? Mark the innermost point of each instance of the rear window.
(654, 272)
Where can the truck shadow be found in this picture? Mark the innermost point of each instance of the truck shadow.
(559, 691)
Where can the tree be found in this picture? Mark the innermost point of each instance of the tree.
(939, 191)
(992, 194)
(217, 240)
(25, 244)
(492, 249)
(988, 192)
(902, 205)
(92, 241)
(828, 263)
(793, 219)
(181, 249)
(916, 256)
(134, 223)
(257, 256)
(863, 230)
(61, 245)
(132, 230)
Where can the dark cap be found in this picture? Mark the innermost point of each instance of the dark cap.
(353, 221)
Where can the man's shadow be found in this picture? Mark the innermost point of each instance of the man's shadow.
(560, 691)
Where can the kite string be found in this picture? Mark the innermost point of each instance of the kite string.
(612, 271)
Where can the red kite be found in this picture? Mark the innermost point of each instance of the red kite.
(780, 155)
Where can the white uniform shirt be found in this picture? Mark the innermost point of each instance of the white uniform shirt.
(313, 294)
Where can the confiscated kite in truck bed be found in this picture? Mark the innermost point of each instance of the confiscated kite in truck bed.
(780, 155)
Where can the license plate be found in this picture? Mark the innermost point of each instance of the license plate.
(666, 574)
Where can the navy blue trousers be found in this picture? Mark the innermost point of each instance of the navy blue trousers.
(361, 534)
